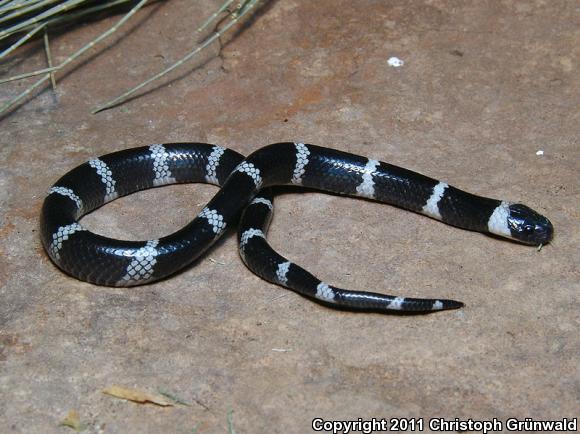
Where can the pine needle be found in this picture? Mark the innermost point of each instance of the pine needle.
(63, 7)
(29, 17)
(49, 59)
(78, 53)
(215, 15)
(29, 74)
(22, 40)
(242, 10)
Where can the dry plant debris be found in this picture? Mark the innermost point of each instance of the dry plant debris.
(21, 20)
(73, 420)
(138, 396)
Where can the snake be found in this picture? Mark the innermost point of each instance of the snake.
(246, 200)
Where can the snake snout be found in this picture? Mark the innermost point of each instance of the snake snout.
(545, 231)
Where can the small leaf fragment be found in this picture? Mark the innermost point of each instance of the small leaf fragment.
(137, 396)
(73, 420)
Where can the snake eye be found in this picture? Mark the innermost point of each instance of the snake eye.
(528, 229)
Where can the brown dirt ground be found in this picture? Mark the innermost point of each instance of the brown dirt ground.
(484, 86)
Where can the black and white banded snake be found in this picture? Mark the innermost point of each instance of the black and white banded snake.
(245, 190)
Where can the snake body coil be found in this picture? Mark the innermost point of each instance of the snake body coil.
(244, 186)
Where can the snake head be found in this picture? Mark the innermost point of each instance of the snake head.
(527, 226)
